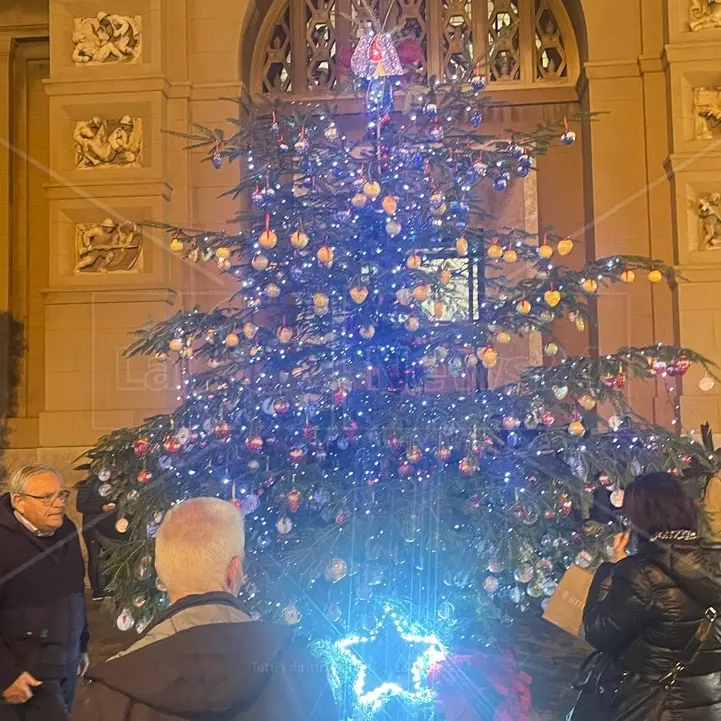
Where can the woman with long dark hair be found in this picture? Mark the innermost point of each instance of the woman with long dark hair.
(652, 613)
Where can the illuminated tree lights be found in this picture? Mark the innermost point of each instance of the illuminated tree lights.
(337, 397)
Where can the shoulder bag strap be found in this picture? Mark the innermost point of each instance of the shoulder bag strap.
(688, 655)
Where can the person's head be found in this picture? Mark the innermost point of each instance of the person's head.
(36, 492)
(108, 224)
(199, 548)
(126, 122)
(656, 502)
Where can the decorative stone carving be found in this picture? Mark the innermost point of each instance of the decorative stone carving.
(705, 14)
(106, 38)
(101, 143)
(108, 247)
(707, 111)
(709, 211)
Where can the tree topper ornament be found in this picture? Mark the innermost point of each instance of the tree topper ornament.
(375, 56)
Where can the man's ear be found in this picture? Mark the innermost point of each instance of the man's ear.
(236, 575)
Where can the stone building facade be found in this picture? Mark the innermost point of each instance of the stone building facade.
(88, 87)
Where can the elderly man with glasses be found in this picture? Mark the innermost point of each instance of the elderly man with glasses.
(43, 622)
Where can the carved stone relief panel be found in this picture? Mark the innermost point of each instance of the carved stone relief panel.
(709, 212)
(107, 247)
(705, 14)
(707, 112)
(106, 38)
(108, 143)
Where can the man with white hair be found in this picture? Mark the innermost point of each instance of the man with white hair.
(205, 658)
(43, 624)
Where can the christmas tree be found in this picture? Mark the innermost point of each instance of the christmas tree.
(312, 398)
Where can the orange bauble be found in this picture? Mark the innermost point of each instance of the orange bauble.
(565, 246)
(268, 239)
(358, 293)
(285, 334)
(299, 240)
(545, 252)
(494, 251)
(325, 255)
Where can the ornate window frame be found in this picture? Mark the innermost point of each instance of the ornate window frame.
(528, 47)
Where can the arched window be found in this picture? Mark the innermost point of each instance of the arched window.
(522, 44)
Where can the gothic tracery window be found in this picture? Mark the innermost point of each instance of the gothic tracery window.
(304, 45)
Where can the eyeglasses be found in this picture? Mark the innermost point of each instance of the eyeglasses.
(47, 499)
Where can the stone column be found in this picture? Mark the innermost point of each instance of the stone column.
(7, 48)
(6, 58)
(692, 60)
(629, 187)
(110, 169)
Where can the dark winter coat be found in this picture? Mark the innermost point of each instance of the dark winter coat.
(43, 626)
(206, 660)
(90, 503)
(640, 615)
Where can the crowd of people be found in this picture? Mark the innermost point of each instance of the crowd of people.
(651, 614)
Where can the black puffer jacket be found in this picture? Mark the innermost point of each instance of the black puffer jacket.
(640, 615)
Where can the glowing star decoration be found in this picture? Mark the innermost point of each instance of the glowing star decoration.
(370, 700)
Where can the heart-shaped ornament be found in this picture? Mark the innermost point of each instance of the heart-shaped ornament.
(552, 298)
(358, 293)
(560, 392)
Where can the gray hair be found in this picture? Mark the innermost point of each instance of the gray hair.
(19, 479)
(196, 543)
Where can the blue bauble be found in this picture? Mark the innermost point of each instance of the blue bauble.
(306, 165)
(217, 160)
(478, 82)
(275, 129)
(476, 118)
(516, 150)
(436, 133)
(524, 166)
(568, 138)
(501, 181)
(418, 160)
(513, 439)
(268, 194)
(430, 110)
(480, 169)
(258, 198)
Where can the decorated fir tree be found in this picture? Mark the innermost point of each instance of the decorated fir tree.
(306, 399)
